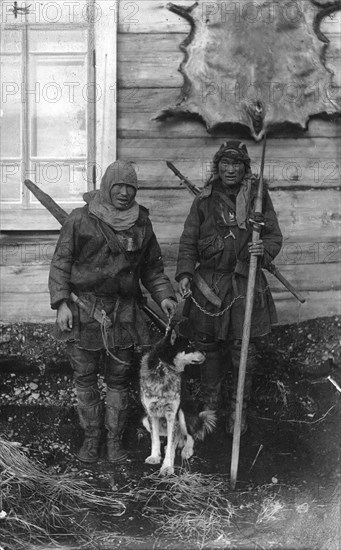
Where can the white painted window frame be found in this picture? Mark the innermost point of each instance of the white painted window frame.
(18, 217)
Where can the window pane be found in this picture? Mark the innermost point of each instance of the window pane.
(11, 40)
(64, 181)
(58, 106)
(10, 181)
(47, 12)
(10, 140)
(60, 41)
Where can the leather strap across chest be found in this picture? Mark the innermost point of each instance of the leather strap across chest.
(114, 243)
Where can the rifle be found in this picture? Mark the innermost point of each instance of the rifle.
(271, 267)
(190, 186)
(60, 215)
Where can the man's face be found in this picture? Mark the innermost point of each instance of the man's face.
(122, 195)
(231, 171)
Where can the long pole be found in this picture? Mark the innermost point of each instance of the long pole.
(246, 332)
(270, 267)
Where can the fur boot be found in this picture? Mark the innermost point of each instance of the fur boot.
(90, 417)
(116, 416)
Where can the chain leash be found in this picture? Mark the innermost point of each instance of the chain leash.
(189, 294)
(209, 313)
(168, 326)
(219, 313)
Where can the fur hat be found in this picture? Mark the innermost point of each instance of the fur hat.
(233, 149)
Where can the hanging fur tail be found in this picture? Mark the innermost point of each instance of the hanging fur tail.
(202, 425)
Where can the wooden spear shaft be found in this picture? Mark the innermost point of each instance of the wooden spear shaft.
(246, 331)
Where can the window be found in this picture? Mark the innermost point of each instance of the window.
(53, 93)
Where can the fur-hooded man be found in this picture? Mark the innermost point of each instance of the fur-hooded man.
(214, 254)
(105, 249)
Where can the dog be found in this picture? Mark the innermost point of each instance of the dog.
(168, 413)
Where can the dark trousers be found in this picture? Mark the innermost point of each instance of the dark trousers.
(86, 364)
(214, 368)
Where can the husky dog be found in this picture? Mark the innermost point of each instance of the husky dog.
(168, 413)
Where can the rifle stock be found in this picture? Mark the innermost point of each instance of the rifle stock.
(276, 273)
(271, 267)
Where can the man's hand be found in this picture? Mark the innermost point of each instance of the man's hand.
(184, 286)
(64, 317)
(168, 307)
(256, 248)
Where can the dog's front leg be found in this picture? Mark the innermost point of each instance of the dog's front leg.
(188, 448)
(168, 463)
(155, 457)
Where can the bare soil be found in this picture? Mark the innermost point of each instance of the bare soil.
(288, 491)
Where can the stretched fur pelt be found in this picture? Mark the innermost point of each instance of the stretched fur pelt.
(259, 65)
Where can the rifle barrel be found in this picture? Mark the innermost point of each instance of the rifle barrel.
(271, 268)
(190, 186)
(60, 214)
(57, 211)
(175, 170)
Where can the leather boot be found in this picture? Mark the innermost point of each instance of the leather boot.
(116, 415)
(211, 380)
(90, 417)
(250, 368)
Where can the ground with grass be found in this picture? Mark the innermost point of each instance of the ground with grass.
(288, 490)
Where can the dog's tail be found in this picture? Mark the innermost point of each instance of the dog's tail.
(207, 423)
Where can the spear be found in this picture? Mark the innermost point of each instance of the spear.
(246, 330)
(270, 267)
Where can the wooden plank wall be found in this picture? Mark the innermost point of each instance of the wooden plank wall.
(303, 173)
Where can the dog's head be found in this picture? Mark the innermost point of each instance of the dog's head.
(178, 351)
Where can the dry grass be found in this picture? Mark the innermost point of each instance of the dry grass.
(202, 528)
(38, 506)
(271, 510)
(192, 507)
(283, 391)
(98, 541)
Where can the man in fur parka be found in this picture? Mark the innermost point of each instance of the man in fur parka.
(213, 263)
(105, 249)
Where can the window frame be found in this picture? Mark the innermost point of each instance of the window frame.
(101, 138)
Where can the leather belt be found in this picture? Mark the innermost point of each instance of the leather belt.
(201, 284)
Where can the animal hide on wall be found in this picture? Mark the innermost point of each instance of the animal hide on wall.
(259, 64)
